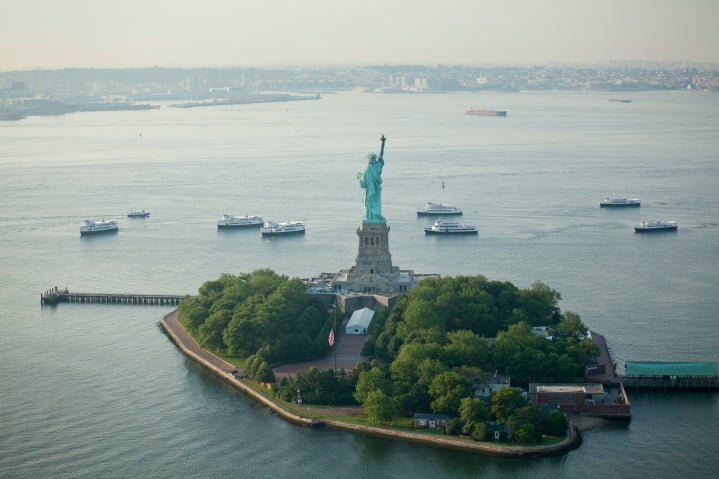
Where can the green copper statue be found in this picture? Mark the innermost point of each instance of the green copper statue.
(371, 182)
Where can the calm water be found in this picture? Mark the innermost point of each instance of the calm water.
(99, 391)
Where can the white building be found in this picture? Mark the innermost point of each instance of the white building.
(359, 322)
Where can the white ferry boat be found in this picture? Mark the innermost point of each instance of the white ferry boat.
(619, 202)
(270, 228)
(138, 214)
(438, 209)
(652, 226)
(97, 227)
(229, 221)
(450, 228)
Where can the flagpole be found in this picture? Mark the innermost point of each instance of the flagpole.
(335, 328)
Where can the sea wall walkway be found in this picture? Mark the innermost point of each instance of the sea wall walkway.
(223, 369)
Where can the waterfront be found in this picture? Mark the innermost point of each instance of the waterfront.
(97, 390)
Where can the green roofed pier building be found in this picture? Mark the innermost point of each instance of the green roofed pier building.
(671, 375)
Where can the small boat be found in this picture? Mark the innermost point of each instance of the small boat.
(619, 202)
(138, 214)
(450, 228)
(438, 209)
(229, 221)
(485, 112)
(270, 228)
(652, 226)
(97, 227)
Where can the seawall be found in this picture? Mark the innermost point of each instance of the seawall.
(179, 336)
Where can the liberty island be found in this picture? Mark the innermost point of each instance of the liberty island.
(371, 287)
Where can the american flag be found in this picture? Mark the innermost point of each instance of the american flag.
(331, 338)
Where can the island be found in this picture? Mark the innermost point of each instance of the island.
(437, 366)
(463, 362)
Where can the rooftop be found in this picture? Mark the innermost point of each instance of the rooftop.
(657, 368)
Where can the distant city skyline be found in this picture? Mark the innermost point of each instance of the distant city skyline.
(48, 34)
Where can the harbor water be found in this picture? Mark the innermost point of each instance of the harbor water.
(93, 390)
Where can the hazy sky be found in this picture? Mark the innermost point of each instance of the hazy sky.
(135, 33)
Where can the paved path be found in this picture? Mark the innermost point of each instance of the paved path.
(178, 330)
(348, 348)
(608, 376)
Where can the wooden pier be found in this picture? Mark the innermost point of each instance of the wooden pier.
(55, 295)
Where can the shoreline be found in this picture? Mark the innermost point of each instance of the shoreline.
(177, 334)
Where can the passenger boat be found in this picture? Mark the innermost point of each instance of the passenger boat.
(619, 202)
(438, 209)
(229, 221)
(97, 227)
(652, 226)
(450, 228)
(270, 228)
(138, 214)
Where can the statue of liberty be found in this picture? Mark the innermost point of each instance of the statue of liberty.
(371, 182)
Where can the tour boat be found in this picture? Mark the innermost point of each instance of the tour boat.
(270, 228)
(229, 221)
(450, 228)
(97, 227)
(438, 209)
(660, 225)
(619, 202)
(138, 214)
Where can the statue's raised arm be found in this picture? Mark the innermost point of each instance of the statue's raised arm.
(371, 182)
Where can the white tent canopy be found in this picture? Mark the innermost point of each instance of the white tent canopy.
(359, 322)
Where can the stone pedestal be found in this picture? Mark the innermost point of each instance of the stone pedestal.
(373, 271)
(373, 256)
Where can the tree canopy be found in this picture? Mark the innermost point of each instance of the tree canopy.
(430, 351)
(258, 311)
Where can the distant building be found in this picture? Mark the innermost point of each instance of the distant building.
(583, 398)
(485, 390)
(498, 431)
(542, 331)
(429, 421)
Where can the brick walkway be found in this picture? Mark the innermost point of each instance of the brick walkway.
(348, 348)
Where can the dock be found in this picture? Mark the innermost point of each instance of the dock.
(664, 375)
(55, 295)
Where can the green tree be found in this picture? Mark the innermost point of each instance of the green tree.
(465, 348)
(473, 411)
(264, 373)
(555, 424)
(374, 379)
(570, 326)
(528, 414)
(519, 352)
(480, 432)
(505, 401)
(541, 304)
(448, 389)
(379, 407)
(192, 314)
(210, 332)
(528, 434)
